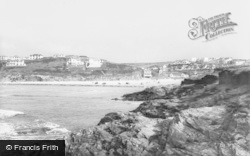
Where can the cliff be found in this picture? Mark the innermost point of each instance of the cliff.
(194, 120)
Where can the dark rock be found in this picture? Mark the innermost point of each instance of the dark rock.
(147, 94)
(156, 109)
(110, 117)
(206, 80)
(235, 77)
(116, 99)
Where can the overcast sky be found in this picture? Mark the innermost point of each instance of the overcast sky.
(120, 31)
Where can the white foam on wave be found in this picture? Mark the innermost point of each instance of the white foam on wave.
(8, 113)
(55, 129)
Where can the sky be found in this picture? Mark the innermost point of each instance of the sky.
(120, 31)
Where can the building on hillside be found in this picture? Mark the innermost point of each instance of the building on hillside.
(26, 58)
(147, 73)
(15, 63)
(194, 59)
(225, 60)
(178, 62)
(70, 56)
(58, 55)
(35, 56)
(206, 59)
(94, 63)
(212, 66)
(4, 58)
(165, 68)
(75, 61)
(178, 75)
(84, 58)
(239, 62)
(154, 67)
(14, 58)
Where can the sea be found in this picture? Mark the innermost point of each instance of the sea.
(39, 112)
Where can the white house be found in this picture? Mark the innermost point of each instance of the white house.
(15, 63)
(94, 63)
(194, 59)
(14, 58)
(4, 57)
(147, 73)
(178, 75)
(75, 61)
(226, 60)
(35, 56)
(165, 67)
(26, 58)
(206, 59)
(239, 62)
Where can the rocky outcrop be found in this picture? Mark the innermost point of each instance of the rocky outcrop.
(206, 80)
(211, 120)
(147, 94)
(169, 92)
(160, 92)
(235, 77)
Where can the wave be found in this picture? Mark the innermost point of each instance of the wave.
(7, 129)
(32, 130)
(20, 95)
(55, 129)
(41, 127)
(8, 113)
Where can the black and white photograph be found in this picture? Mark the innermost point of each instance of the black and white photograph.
(124, 78)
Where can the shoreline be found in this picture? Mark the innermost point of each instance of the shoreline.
(119, 83)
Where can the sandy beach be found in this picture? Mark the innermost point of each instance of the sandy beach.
(118, 83)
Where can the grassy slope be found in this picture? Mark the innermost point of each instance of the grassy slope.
(56, 67)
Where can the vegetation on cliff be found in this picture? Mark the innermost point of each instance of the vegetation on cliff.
(56, 69)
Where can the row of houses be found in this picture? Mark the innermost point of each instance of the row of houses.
(185, 65)
(193, 66)
(12, 58)
(84, 61)
(221, 61)
(149, 73)
(15, 63)
(72, 60)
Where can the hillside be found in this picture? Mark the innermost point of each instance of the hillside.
(49, 68)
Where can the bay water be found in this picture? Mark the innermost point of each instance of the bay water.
(49, 112)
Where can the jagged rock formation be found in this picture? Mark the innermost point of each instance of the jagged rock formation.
(147, 94)
(206, 80)
(198, 120)
(235, 77)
